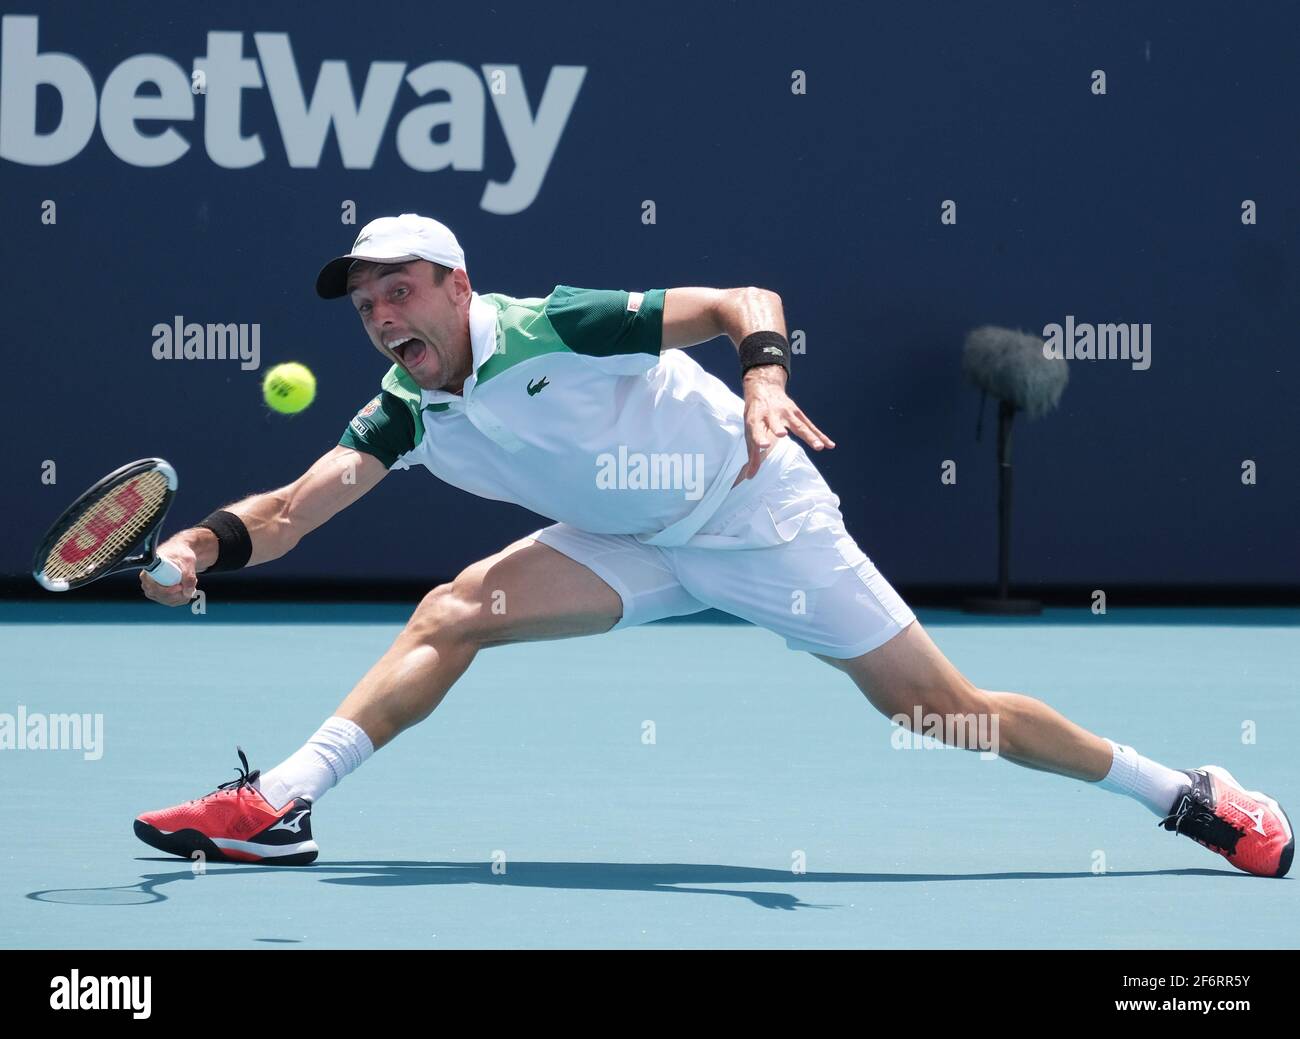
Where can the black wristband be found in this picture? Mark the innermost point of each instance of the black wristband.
(764, 348)
(234, 546)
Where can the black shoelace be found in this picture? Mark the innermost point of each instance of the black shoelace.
(245, 777)
(1196, 819)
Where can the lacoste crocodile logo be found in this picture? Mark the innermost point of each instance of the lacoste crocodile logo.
(535, 388)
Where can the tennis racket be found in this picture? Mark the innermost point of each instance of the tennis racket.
(97, 533)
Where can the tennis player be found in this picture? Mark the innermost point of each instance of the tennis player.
(669, 494)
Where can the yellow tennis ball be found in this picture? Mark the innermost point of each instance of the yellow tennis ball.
(288, 388)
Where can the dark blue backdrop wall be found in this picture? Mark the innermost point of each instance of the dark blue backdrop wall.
(1117, 207)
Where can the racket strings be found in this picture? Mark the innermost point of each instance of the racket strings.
(107, 528)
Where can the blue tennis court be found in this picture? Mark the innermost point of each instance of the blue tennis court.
(674, 786)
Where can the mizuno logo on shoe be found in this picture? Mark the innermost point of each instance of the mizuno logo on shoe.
(1257, 817)
(292, 823)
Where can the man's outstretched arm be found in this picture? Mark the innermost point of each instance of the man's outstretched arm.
(696, 315)
(276, 520)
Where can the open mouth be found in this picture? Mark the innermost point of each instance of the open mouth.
(410, 351)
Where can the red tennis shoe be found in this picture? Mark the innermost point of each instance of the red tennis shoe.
(1248, 829)
(234, 823)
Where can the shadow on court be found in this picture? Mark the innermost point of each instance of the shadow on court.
(668, 878)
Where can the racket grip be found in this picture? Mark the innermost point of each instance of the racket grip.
(164, 572)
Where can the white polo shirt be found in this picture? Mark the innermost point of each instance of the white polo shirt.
(571, 411)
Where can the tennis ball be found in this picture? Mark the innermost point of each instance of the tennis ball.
(288, 388)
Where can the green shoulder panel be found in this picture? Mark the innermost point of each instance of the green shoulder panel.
(403, 387)
(523, 332)
(598, 322)
(383, 428)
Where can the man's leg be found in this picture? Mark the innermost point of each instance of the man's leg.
(525, 592)
(909, 673)
(809, 581)
(806, 579)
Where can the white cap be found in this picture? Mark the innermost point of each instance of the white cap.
(392, 239)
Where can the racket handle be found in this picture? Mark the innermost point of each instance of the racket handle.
(164, 572)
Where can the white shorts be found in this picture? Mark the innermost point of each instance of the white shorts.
(775, 553)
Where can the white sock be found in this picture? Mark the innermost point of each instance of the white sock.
(1144, 780)
(335, 749)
